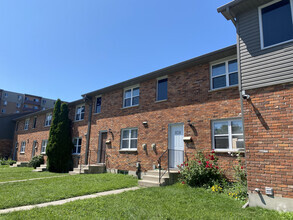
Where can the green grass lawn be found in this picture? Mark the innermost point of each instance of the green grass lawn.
(20, 173)
(45, 190)
(173, 202)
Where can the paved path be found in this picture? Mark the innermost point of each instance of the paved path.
(39, 178)
(63, 201)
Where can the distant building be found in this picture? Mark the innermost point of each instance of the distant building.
(13, 103)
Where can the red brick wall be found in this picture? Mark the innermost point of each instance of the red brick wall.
(5, 148)
(29, 136)
(269, 139)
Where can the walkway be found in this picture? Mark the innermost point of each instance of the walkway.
(39, 178)
(63, 201)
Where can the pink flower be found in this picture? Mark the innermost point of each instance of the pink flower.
(183, 182)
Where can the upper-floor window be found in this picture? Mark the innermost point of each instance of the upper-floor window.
(48, 119)
(17, 105)
(79, 113)
(44, 146)
(44, 101)
(26, 98)
(19, 97)
(77, 145)
(36, 100)
(22, 147)
(3, 110)
(227, 135)
(25, 105)
(26, 123)
(98, 104)
(131, 97)
(276, 22)
(36, 107)
(5, 95)
(35, 122)
(129, 139)
(5, 103)
(224, 74)
(162, 89)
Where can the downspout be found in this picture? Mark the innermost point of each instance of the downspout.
(239, 73)
(89, 101)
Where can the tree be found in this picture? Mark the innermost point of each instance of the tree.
(60, 146)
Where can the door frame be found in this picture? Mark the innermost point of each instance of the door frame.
(169, 138)
(100, 145)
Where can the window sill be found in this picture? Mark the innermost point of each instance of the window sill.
(224, 88)
(22, 152)
(230, 151)
(130, 107)
(275, 45)
(78, 120)
(159, 101)
(128, 150)
(97, 113)
(43, 153)
(75, 154)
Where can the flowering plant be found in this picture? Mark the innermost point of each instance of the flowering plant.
(203, 170)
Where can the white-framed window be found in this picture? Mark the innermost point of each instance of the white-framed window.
(79, 113)
(129, 139)
(224, 74)
(162, 89)
(22, 147)
(3, 110)
(48, 119)
(26, 123)
(44, 146)
(17, 105)
(36, 100)
(5, 103)
(98, 104)
(276, 23)
(131, 97)
(227, 135)
(35, 122)
(19, 97)
(77, 145)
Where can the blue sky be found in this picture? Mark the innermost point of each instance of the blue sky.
(65, 48)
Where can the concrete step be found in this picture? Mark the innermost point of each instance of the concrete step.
(147, 183)
(44, 165)
(155, 178)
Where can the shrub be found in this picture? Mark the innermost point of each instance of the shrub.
(7, 162)
(36, 161)
(203, 170)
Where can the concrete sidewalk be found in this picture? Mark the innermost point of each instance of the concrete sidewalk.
(63, 201)
(39, 178)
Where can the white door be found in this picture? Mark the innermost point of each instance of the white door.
(176, 145)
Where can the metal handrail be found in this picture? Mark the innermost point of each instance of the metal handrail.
(160, 165)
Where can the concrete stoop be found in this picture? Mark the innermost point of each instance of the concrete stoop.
(41, 168)
(151, 178)
(89, 169)
(20, 164)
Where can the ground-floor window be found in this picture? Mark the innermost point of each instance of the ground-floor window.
(129, 139)
(44, 146)
(227, 135)
(77, 146)
(22, 148)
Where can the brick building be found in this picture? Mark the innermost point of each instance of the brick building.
(136, 121)
(265, 50)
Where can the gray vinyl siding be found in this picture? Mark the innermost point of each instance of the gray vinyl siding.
(265, 67)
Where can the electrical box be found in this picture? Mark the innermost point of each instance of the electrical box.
(269, 191)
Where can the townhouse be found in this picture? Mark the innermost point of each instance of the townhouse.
(265, 53)
(175, 111)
